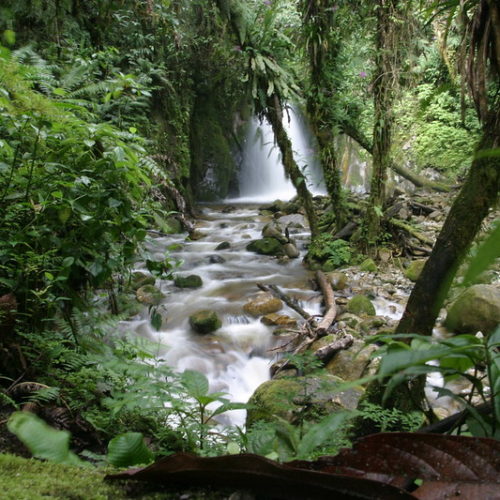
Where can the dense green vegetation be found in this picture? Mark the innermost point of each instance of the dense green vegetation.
(117, 116)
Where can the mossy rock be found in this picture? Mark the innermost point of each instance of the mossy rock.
(274, 230)
(191, 281)
(353, 363)
(149, 295)
(266, 246)
(139, 279)
(338, 280)
(368, 265)
(263, 303)
(223, 245)
(205, 322)
(415, 269)
(476, 309)
(274, 319)
(361, 305)
(312, 397)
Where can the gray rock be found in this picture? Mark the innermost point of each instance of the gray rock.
(476, 309)
(274, 230)
(291, 250)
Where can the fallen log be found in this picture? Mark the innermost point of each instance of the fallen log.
(330, 306)
(411, 231)
(288, 301)
(346, 231)
(326, 353)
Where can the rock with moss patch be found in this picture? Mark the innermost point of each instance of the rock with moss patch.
(191, 281)
(372, 323)
(223, 245)
(338, 280)
(368, 265)
(139, 279)
(196, 235)
(415, 269)
(266, 246)
(476, 309)
(353, 363)
(361, 305)
(274, 230)
(349, 319)
(205, 322)
(263, 303)
(149, 295)
(274, 319)
(309, 398)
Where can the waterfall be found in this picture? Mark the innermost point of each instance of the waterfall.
(262, 177)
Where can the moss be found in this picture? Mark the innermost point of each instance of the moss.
(360, 304)
(414, 269)
(31, 479)
(266, 246)
(205, 322)
(369, 266)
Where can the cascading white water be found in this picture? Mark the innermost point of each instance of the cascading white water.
(262, 177)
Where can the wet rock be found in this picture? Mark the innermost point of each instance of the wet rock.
(216, 259)
(266, 246)
(139, 279)
(368, 265)
(338, 280)
(353, 363)
(224, 245)
(282, 320)
(476, 309)
(372, 323)
(205, 322)
(263, 303)
(196, 235)
(414, 269)
(274, 230)
(350, 320)
(297, 221)
(291, 251)
(360, 304)
(149, 295)
(309, 398)
(191, 281)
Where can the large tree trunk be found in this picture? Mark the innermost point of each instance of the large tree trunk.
(318, 20)
(477, 196)
(383, 95)
(274, 115)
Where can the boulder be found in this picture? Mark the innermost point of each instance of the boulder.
(353, 363)
(216, 259)
(361, 305)
(368, 265)
(309, 397)
(338, 280)
(476, 309)
(274, 319)
(149, 295)
(205, 322)
(139, 279)
(191, 281)
(350, 320)
(291, 251)
(196, 235)
(263, 303)
(224, 245)
(266, 246)
(372, 323)
(414, 269)
(274, 230)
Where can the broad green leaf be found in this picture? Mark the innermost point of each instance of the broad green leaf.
(9, 37)
(486, 255)
(129, 449)
(42, 440)
(195, 383)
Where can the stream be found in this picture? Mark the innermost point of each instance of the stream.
(236, 359)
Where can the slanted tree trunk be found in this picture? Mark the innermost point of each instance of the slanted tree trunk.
(274, 114)
(478, 194)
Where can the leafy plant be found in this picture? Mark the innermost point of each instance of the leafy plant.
(328, 252)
